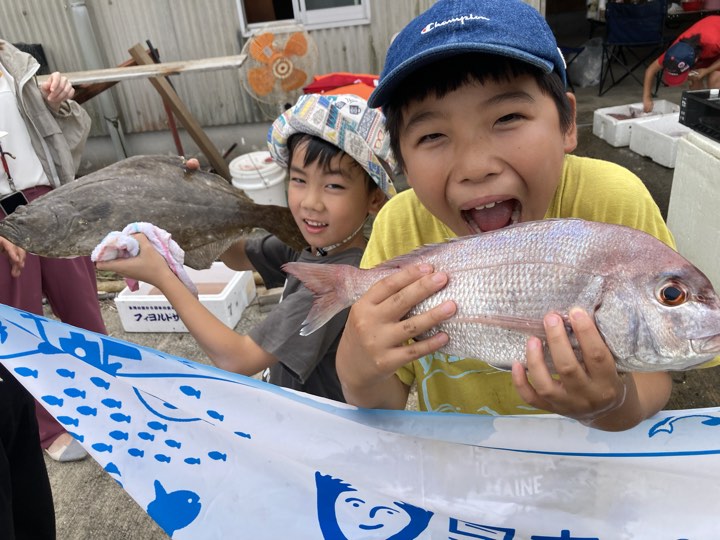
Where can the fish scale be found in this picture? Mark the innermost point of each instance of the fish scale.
(503, 283)
(502, 290)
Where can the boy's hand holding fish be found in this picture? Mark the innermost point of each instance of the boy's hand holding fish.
(593, 392)
(148, 266)
(376, 329)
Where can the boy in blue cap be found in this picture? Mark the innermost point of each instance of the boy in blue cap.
(338, 156)
(474, 97)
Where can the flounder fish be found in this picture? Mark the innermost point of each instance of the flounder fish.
(202, 211)
(654, 309)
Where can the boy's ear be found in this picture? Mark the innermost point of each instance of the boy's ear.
(571, 136)
(376, 200)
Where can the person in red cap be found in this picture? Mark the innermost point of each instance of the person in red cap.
(694, 56)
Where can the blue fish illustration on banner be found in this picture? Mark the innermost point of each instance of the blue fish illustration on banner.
(211, 454)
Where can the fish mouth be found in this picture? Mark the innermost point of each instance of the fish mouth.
(491, 216)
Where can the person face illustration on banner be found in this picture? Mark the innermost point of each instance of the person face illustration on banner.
(360, 514)
(346, 513)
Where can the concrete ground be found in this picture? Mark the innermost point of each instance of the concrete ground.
(90, 505)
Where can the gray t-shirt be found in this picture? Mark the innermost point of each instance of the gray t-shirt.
(305, 363)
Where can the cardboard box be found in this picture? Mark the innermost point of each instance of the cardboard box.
(614, 124)
(658, 138)
(225, 292)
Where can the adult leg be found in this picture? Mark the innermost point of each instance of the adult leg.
(70, 287)
(25, 292)
(26, 505)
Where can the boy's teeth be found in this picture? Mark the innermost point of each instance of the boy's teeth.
(489, 205)
(515, 216)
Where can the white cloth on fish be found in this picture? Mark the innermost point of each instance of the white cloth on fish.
(121, 245)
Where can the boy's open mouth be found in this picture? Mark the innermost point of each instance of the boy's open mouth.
(493, 216)
(314, 225)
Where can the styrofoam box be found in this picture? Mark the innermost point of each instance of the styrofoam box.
(658, 138)
(225, 292)
(616, 131)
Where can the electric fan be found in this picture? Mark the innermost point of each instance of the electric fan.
(280, 62)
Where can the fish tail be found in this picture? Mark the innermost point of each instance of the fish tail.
(331, 285)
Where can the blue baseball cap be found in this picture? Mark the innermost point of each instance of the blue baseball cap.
(679, 58)
(508, 28)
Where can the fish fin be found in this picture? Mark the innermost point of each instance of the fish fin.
(279, 221)
(417, 254)
(499, 367)
(329, 284)
(203, 257)
(531, 327)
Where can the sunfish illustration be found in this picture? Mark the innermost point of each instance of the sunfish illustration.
(175, 510)
(202, 211)
(654, 309)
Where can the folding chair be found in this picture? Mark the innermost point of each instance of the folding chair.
(634, 35)
(570, 54)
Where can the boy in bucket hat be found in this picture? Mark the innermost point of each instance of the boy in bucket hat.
(479, 119)
(694, 56)
(339, 159)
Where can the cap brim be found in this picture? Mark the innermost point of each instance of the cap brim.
(675, 80)
(391, 81)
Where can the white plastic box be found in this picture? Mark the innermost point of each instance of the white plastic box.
(614, 124)
(692, 214)
(225, 292)
(658, 138)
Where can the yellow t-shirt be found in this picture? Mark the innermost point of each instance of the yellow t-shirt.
(590, 189)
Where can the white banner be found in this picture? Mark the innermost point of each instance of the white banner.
(210, 454)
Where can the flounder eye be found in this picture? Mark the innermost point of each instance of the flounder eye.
(672, 294)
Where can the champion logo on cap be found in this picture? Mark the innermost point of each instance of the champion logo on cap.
(433, 25)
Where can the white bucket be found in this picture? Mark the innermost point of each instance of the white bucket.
(260, 178)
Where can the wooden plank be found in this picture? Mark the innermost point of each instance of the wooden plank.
(183, 114)
(152, 70)
(85, 92)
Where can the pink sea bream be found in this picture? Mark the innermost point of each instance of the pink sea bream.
(654, 309)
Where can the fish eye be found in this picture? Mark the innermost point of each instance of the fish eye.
(672, 294)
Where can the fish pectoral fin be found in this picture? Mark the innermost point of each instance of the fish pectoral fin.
(500, 366)
(203, 257)
(531, 327)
